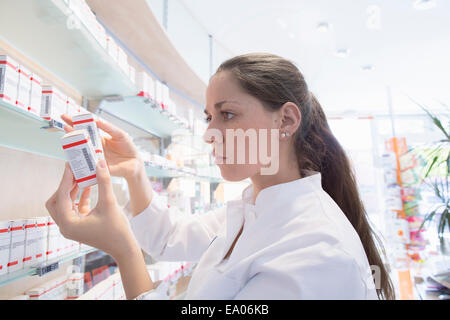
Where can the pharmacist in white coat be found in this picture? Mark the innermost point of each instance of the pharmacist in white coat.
(299, 232)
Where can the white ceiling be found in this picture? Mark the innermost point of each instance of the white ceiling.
(410, 53)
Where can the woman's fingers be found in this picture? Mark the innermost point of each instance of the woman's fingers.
(112, 130)
(106, 195)
(67, 119)
(84, 204)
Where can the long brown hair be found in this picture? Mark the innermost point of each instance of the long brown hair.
(274, 81)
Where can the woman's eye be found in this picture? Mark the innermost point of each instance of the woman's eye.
(228, 115)
(207, 119)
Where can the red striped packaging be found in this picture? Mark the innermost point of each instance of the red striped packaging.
(35, 94)
(145, 85)
(5, 244)
(81, 156)
(17, 248)
(9, 79)
(52, 240)
(86, 121)
(53, 103)
(31, 241)
(41, 244)
(23, 88)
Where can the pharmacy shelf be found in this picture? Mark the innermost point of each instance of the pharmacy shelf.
(49, 33)
(147, 39)
(33, 270)
(143, 114)
(156, 171)
(24, 131)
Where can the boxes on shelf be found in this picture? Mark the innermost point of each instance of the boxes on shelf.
(23, 88)
(112, 48)
(53, 104)
(52, 239)
(86, 121)
(35, 94)
(81, 156)
(41, 244)
(72, 107)
(87, 17)
(9, 79)
(31, 239)
(158, 93)
(5, 244)
(132, 74)
(122, 60)
(36, 293)
(17, 248)
(145, 85)
(75, 285)
(165, 97)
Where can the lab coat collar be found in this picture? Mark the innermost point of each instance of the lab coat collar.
(270, 200)
(275, 196)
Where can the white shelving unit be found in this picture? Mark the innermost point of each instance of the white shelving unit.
(49, 33)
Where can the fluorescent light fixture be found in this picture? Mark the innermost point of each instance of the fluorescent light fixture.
(342, 53)
(424, 4)
(367, 67)
(323, 26)
(291, 35)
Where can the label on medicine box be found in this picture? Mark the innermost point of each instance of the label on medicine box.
(53, 104)
(9, 79)
(42, 234)
(35, 94)
(86, 121)
(23, 88)
(5, 244)
(81, 156)
(31, 239)
(17, 248)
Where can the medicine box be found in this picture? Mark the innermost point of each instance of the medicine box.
(5, 244)
(31, 240)
(35, 94)
(9, 79)
(17, 248)
(53, 104)
(23, 88)
(41, 244)
(81, 156)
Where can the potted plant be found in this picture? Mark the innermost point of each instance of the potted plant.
(435, 175)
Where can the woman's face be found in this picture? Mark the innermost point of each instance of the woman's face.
(229, 107)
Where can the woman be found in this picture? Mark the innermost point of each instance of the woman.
(298, 233)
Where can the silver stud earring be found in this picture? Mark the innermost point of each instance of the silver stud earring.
(283, 134)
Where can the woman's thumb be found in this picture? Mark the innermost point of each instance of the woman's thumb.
(105, 190)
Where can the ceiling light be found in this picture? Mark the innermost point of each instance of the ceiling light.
(291, 35)
(342, 53)
(367, 67)
(323, 26)
(424, 4)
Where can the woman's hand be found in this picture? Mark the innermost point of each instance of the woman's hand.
(120, 152)
(105, 227)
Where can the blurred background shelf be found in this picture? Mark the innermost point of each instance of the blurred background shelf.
(142, 113)
(31, 271)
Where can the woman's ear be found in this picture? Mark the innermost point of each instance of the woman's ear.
(290, 118)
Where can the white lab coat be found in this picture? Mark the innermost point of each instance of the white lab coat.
(296, 244)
